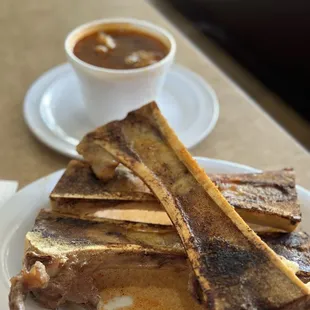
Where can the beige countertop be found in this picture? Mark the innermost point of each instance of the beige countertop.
(32, 34)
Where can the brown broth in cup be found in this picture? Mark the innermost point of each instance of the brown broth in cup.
(120, 48)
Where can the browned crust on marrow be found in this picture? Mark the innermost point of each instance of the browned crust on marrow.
(268, 198)
(79, 182)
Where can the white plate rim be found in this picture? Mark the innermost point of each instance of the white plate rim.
(35, 122)
(215, 101)
(47, 137)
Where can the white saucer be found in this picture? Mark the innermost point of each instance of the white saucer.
(18, 214)
(54, 111)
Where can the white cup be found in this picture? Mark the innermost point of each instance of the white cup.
(109, 94)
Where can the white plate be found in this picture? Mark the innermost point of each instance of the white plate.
(54, 111)
(17, 217)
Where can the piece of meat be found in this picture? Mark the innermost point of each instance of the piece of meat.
(142, 58)
(267, 198)
(26, 281)
(106, 39)
(62, 251)
(17, 294)
(102, 49)
(235, 269)
(102, 163)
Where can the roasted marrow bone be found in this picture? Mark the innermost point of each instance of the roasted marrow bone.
(57, 247)
(66, 259)
(102, 163)
(267, 198)
(234, 268)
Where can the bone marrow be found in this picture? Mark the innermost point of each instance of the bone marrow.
(233, 266)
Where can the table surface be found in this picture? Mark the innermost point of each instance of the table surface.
(32, 34)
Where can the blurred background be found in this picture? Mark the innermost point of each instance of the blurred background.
(264, 46)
